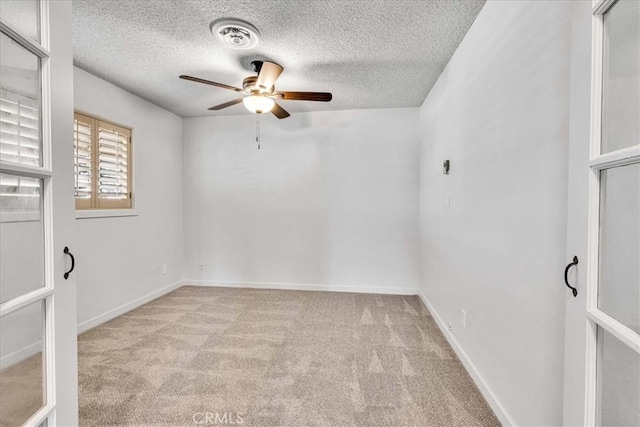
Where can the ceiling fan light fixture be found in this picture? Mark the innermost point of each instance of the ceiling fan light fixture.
(258, 104)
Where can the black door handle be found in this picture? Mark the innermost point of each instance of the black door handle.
(566, 279)
(73, 262)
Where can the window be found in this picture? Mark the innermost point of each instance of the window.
(102, 162)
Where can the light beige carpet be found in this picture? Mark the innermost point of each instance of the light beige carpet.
(220, 356)
(21, 391)
(275, 358)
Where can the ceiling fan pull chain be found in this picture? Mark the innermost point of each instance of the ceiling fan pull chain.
(258, 129)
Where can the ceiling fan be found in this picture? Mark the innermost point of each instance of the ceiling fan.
(260, 93)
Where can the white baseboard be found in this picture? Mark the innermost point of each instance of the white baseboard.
(112, 314)
(303, 287)
(489, 396)
(20, 355)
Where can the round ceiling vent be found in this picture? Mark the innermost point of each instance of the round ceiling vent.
(235, 33)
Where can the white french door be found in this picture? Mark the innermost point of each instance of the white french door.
(602, 329)
(38, 357)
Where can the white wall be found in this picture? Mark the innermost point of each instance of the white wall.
(328, 202)
(120, 259)
(500, 113)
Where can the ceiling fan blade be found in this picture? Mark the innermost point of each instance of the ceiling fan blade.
(208, 82)
(268, 75)
(226, 104)
(279, 112)
(305, 96)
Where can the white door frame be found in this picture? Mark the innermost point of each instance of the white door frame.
(66, 325)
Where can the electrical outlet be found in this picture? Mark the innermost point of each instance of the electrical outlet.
(201, 266)
(164, 269)
(450, 326)
(463, 318)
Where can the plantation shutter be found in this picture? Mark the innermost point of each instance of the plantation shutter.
(102, 160)
(83, 160)
(114, 158)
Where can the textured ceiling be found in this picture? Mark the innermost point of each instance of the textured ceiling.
(369, 54)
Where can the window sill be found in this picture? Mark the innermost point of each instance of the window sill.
(105, 213)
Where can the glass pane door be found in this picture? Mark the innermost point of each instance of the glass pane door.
(26, 288)
(620, 85)
(618, 380)
(23, 372)
(619, 270)
(614, 290)
(21, 236)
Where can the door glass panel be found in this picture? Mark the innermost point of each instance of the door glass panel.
(22, 376)
(621, 82)
(21, 236)
(20, 135)
(22, 15)
(618, 382)
(619, 282)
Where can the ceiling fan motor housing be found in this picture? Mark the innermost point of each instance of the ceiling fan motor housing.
(250, 86)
